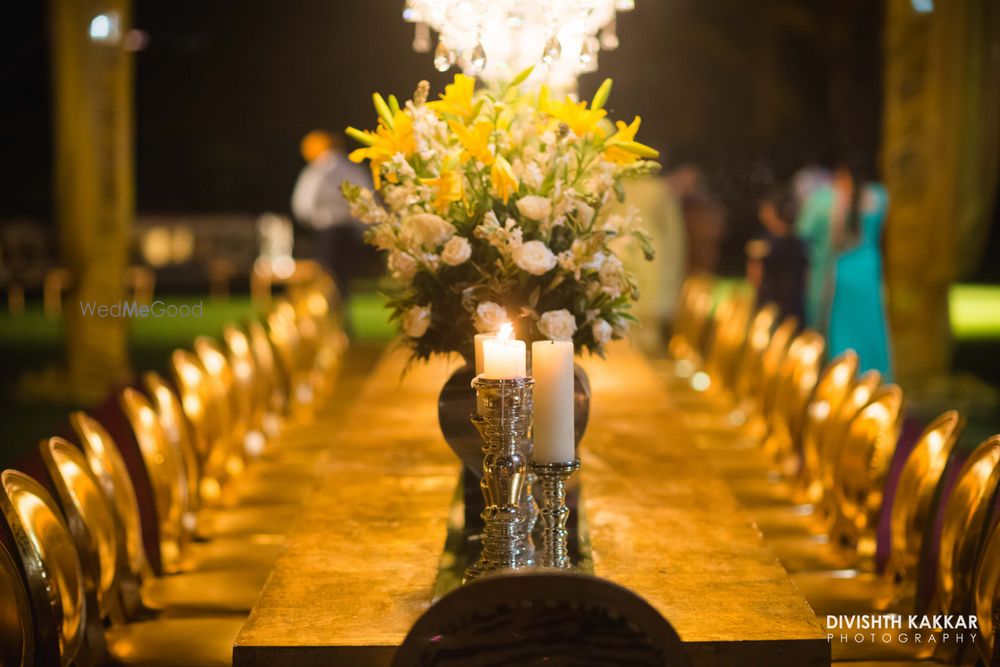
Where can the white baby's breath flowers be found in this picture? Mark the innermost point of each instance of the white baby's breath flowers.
(557, 324)
(489, 316)
(602, 332)
(426, 230)
(534, 257)
(456, 251)
(534, 207)
(402, 265)
(416, 321)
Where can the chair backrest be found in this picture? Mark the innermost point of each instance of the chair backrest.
(52, 567)
(797, 378)
(284, 337)
(90, 519)
(245, 382)
(271, 386)
(541, 618)
(963, 527)
(834, 433)
(748, 372)
(17, 633)
(220, 377)
(108, 466)
(729, 334)
(865, 457)
(912, 505)
(204, 411)
(165, 474)
(987, 596)
(175, 426)
(774, 355)
(832, 388)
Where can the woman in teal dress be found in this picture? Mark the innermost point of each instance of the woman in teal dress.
(842, 225)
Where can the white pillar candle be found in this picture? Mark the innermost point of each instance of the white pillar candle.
(479, 349)
(504, 358)
(552, 368)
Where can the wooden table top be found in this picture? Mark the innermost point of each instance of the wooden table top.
(360, 566)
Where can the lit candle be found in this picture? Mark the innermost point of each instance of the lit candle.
(479, 349)
(503, 356)
(552, 368)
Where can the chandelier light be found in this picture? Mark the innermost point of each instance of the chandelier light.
(496, 39)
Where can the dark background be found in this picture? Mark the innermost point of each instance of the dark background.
(225, 89)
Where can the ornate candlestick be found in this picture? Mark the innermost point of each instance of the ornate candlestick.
(552, 478)
(503, 423)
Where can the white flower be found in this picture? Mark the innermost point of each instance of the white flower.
(534, 207)
(426, 229)
(489, 316)
(456, 251)
(602, 332)
(534, 257)
(557, 324)
(402, 265)
(416, 321)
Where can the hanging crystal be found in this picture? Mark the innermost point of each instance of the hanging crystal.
(444, 57)
(421, 37)
(477, 59)
(553, 50)
(624, 5)
(588, 52)
(609, 36)
(410, 14)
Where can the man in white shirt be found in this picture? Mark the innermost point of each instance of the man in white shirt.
(318, 205)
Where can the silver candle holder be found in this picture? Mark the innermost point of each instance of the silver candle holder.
(503, 421)
(553, 511)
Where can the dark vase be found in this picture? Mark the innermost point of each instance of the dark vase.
(456, 405)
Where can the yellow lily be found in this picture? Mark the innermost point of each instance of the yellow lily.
(457, 98)
(447, 188)
(385, 142)
(475, 141)
(576, 115)
(622, 148)
(502, 178)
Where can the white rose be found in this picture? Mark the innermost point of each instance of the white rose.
(557, 325)
(534, 257)
(456, 251)
(416, 320)
(602, 332)
(612, 276)
(402, 265)
(489, 316)
(426, 229)
(534, 207)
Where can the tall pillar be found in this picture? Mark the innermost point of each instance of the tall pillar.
(94, 181)
(941, 120)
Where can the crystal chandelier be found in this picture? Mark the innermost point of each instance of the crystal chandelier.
(496, 39)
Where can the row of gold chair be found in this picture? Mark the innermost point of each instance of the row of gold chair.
(228, 455)
(809, 448)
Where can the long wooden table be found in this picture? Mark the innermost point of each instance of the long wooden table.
(360, 565)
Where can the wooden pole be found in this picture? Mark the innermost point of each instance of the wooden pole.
(94, 181)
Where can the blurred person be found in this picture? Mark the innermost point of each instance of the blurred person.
(704, 219)
(776, 263)
(842, 224)
(318, 205)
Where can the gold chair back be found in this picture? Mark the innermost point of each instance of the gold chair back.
(732, 317)
(165, 475)
(286, 341)
(108, 466)
(774, 355)
(987, 595)
(912, 507)
(89, 516)
(202, 408)
(245, 382)
(834, 433)
(797, 378)
(271, 387)
(832, 388)
(52, 567)
(865, 458)
(17, 633)
(175, 426)
(963, 527)
(750, 368)
(694, 310)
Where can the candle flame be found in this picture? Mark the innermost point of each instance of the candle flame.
(506, 329)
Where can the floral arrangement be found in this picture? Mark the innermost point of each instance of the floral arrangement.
(491, 205)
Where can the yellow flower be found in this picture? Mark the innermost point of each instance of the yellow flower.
(457, 98)
(386, 141)
(576, 115)
(622, 148)
(475, 141)
(447, 188)
(502, 177)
